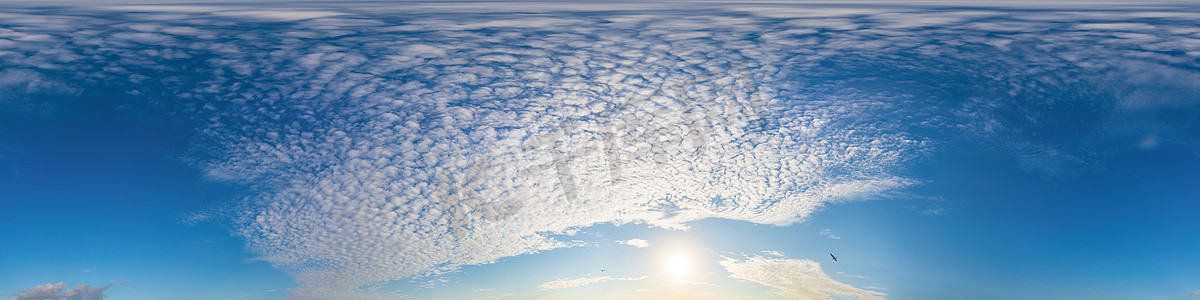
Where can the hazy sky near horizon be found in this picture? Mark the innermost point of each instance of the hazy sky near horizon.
(520, 150)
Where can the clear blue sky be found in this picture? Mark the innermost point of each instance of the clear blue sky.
(564, 151)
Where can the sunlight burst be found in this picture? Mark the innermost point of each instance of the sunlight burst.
(678, 265)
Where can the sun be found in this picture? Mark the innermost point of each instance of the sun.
(678, 265)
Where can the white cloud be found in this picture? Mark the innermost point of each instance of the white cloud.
(640, 243)
(577, 282)
(794, 278)
(829, 234)
(59, 291)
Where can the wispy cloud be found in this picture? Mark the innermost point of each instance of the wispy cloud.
(829, 234)
(687, 282)
(498, 296)
(937, 211)
(577, 282)
(796, 278)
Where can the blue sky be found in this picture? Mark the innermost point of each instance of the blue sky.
(103, 202)
(519, 151)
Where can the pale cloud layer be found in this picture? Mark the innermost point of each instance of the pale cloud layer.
(389, 145)
(577, 282)
(793, 278)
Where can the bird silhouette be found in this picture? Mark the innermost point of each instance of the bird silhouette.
(601, 270)
(834, 257)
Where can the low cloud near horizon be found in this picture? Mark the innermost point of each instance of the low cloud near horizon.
(59, 291)
(794, 278)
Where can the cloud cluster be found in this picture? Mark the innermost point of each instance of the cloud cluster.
(640, 243)
(390, 143)
(59, 291)
(794, 278)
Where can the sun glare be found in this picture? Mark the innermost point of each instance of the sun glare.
(678, 265)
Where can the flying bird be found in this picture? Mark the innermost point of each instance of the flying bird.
(601, 270)
(834, 257)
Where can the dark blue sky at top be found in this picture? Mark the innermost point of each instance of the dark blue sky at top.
(1072, 197)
